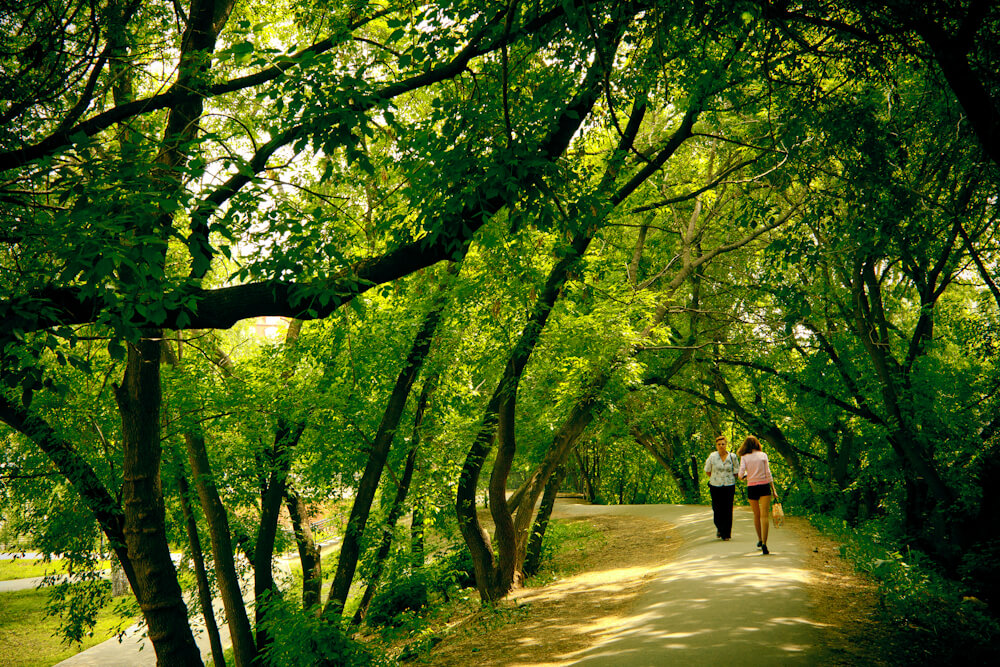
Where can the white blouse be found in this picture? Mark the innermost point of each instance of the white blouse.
(723, 473)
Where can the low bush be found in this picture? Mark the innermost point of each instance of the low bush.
(947, 624)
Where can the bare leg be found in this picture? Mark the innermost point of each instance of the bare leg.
(761, 517)
(756, 518)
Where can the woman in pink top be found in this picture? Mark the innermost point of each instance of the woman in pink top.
(754, 469)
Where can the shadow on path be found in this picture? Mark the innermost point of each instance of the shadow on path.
(715, 603)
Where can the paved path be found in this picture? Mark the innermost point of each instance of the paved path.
(716, 603)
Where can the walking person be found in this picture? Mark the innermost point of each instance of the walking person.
(756, 471)
(721, 466)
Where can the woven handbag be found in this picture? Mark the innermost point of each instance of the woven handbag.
(777, 513)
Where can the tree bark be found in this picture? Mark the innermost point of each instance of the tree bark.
(157, 590)
(201, 574)
(309, 555)
(398, 503)
(217, 520)
(533, 558)
(351, 546)
(286, 438)
(244, 650)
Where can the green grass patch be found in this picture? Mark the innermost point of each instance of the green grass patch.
(27, 635)
(26, 568)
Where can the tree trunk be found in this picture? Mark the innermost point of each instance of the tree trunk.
(309, 554)
(286, 438)
(398, 503)
(244, 650)
(684, 471)
(533, 559)
(496, 576)
(157, 589)
(351, 547)
(588, 487)
(201, 574)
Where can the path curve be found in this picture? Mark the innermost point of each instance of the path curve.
(715, 602)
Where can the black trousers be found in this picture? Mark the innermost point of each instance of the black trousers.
(722, 508)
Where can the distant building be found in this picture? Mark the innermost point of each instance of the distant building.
(269, 326)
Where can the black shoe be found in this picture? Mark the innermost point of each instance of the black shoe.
(759, 544)
(764, 549)
(718, 534)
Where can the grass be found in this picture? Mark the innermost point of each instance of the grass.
(27, 635)
(26, 568)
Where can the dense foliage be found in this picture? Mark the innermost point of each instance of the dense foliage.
(515, 245)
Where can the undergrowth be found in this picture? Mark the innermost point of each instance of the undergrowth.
(937, 617)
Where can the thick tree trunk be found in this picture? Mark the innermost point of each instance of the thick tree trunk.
(309, 555)
(156, 586)
(351, 547)
(201, 574)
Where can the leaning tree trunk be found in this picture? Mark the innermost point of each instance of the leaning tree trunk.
(201, 574)
(244, 650)
(286, 438)
(351, 546)
(533, 559)
(496, 575)
(287, 434)
(398, 503)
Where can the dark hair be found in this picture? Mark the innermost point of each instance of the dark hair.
(751, 444)
(720, 437)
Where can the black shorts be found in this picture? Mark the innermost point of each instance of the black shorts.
(756, 491)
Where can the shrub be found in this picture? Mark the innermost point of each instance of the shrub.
(949, 625)
(394, 598)
(299, 639)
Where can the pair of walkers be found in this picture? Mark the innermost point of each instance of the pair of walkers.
(724, 467)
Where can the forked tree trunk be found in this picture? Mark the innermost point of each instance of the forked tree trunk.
(495, 575)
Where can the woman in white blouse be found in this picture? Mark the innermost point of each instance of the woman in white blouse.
(722, 466)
